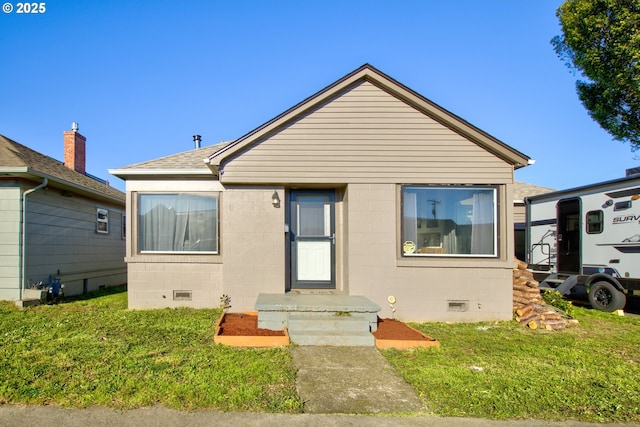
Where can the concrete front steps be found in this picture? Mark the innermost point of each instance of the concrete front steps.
(313, 319)
(329, 329)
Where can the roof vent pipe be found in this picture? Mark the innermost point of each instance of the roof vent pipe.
(196, 140)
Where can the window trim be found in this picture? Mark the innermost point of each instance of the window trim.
(99, 220)
(136, 224)
(495, 190)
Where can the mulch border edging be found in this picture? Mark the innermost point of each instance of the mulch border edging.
(404, 344)
(249, 340)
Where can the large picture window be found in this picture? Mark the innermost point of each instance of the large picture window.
(449, 221)
(180, 222)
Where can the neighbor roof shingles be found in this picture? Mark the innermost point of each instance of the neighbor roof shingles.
(14, 154)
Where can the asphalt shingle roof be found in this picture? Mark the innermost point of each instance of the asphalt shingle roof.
(522, 190)
(14, 154)
(187, 160)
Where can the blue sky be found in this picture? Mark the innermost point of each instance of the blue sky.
(142, 77)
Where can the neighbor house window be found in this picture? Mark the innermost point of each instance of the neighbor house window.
(449, 221)
(102, 221)
(178, 222)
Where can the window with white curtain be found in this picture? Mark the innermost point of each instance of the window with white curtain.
(178, 223)
(449, 221)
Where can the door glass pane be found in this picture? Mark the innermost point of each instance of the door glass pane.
(313, 218)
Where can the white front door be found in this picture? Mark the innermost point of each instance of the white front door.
(312, 238)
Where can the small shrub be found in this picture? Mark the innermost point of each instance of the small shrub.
(556, 299)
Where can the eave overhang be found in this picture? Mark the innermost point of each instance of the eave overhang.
(147, 173)
(25, 172)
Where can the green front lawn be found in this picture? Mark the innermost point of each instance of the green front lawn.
(589, 372)
(96, 352)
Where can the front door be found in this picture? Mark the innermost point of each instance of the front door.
(313, 239)
(569, 236)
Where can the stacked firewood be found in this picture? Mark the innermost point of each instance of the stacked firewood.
(529, 307)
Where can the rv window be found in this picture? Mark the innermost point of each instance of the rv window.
(572, 222)
(594, 222)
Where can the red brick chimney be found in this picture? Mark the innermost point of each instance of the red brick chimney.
(75, 149)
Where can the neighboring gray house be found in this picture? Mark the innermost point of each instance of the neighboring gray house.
(366, 188)
(73, 226)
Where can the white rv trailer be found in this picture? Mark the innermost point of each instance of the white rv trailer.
(587, 240)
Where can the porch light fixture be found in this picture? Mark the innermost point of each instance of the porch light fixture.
(275, 199)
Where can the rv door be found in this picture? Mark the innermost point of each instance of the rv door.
(568, 256)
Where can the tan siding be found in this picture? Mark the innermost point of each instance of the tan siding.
(366, 135)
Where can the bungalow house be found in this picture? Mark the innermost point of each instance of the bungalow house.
(57, 221)
(366, 188)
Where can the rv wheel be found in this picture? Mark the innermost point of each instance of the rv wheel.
(604, 296)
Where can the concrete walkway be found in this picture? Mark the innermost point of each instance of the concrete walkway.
(351, 380)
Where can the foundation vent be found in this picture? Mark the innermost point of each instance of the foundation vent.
(182, 295)
(458, 306)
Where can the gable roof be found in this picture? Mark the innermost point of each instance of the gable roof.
(21, 161)
(370, 74)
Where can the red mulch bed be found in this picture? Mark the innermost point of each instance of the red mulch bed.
(390, 329)
(243, 324)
